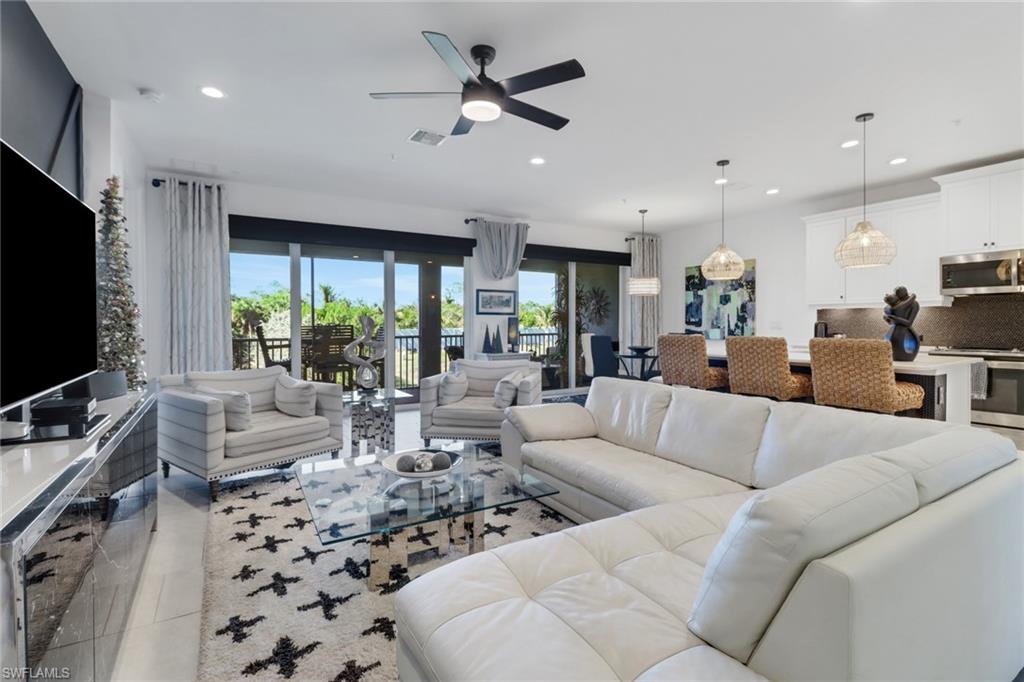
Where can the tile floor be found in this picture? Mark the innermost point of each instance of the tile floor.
(161, 641)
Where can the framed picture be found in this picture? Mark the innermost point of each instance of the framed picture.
(495, 302)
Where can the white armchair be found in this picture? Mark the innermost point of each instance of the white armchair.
(192, 434)
(475, 417)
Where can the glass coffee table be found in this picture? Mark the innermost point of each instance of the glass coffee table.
(355, 497)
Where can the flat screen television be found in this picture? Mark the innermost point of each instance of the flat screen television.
(47, 283)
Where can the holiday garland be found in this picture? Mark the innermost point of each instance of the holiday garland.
(120, 344)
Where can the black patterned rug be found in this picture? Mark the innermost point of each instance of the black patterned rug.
(277, 604)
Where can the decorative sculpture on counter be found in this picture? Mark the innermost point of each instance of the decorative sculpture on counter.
(366, 374)
(900, 310)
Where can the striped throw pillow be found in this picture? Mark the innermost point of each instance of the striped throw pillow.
(237, 406)
(294, 397)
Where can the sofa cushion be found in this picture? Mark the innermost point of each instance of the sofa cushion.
(258, 383)
(271, 430)
(470, 411)
(714, 432)
(628, 413)
(505, 389)
(557, 421)
(566, 598)
(626, 478)
(237, 406)
(799, 437)
(942, 464)
(453, 388)
(294, 397)
(778, 531)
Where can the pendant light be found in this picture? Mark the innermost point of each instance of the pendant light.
(723, 263)
(866, 246)
(643, 286)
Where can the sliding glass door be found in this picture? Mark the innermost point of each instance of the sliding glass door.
(544, 318)
(260, 303)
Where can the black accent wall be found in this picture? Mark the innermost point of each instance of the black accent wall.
(36, 92)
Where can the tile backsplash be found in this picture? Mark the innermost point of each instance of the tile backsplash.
(990, 321)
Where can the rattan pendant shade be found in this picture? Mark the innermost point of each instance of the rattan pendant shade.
(723, 263)
(643, 286)
(866, 246)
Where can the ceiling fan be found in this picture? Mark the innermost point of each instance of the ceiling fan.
(483, 99)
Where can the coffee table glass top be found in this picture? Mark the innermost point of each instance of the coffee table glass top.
(354, 497)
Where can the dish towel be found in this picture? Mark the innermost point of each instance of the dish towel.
(979, 380)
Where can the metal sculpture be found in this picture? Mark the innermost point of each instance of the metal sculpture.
(900, 310)
(366, 374)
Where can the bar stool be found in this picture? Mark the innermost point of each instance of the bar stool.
(684, 362)
(759, 365)
(858, 374)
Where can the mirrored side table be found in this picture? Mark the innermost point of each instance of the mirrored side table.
(372, 417)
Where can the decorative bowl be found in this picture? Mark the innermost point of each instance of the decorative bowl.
(390, 463)
(640, 350)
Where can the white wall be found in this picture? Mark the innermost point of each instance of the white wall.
(276, 202)
(775, 237)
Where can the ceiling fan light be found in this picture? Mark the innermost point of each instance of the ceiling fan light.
(480, 110)
(722, 264)
(865, 247)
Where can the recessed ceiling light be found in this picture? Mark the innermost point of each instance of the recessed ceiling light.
(538, 161)
(850, 143)
(772, 190)
(356, 257)
(210, 91)
(897, 161)
(721, 181)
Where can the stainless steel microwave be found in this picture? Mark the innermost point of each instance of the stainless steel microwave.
(988, 272)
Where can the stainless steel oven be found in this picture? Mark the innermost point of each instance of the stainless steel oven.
(988, 272)
(1003, 404)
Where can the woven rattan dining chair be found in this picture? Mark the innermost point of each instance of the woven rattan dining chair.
(684, 362)
(858, 374)
(759, 365)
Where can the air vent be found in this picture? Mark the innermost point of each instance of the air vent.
(427, 137)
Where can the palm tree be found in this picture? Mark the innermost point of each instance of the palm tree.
(327, 291)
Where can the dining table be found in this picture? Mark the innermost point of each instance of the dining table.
(644, 358)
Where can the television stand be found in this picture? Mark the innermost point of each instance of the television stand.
(53, 432)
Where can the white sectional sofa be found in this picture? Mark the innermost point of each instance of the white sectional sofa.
(192, 433)
(738, 539)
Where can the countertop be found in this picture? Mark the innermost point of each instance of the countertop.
(26, 470)
(924, 364)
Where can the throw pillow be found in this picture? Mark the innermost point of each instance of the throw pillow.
(506, 388)
(453, 388)
(237, 406)
(294, 397)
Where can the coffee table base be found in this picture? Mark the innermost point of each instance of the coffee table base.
(389, 552)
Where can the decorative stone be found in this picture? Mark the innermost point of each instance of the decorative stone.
(424, 462)
(441, 461)
(406, 463)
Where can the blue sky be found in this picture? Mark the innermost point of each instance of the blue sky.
(362, 279)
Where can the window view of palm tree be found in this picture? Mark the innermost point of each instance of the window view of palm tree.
(540, 331)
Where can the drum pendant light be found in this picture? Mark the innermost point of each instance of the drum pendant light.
(866, 246)
(723, 263)
(643, 286)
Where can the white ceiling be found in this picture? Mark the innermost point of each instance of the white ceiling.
(670, 88)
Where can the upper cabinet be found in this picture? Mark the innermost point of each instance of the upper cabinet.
(983, 208)
(915, 225)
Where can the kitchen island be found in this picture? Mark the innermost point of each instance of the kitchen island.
(946, 380)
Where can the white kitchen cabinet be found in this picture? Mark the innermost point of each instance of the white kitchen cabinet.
(915, 225)
(983, 208)
(1007, 210)
(824, 283)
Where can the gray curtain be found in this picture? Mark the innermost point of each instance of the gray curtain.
(197, 333)
(501, 247)
(645, 311)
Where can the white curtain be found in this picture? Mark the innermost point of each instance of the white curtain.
(645, 311)
(197, 334)
(501, 247)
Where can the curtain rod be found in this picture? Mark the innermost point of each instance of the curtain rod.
(470, 220)
(159, 181)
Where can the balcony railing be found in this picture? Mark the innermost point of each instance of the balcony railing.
(246, 352)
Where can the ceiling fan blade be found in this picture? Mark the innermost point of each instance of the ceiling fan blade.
(409, 95)
(549, 75)
(445, 49)
(531, 113)
(462, 126)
